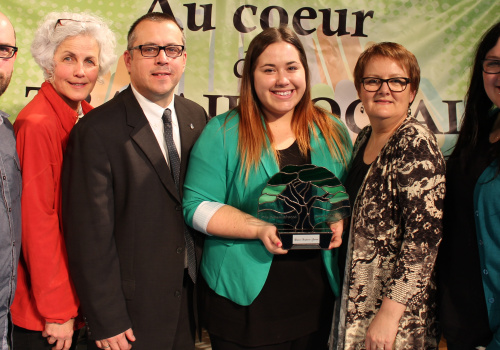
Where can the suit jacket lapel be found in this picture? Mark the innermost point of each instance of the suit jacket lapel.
(267, 159)
(268, 162)
(320, 155)
(189, 127)
(144, 137)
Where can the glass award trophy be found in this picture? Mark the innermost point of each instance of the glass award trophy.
(302, 201)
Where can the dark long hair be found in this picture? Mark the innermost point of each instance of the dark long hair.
(476, 125)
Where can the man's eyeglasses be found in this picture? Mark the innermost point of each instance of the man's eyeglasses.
(7, 51)
(491, 66)
(371, 84)
(171, 51)
(66, 21)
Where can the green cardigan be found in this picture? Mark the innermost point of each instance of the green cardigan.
(237, 268)
(487, 218)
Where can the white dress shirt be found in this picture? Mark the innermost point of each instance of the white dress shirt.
(154, 114)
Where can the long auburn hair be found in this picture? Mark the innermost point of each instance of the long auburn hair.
(253, 133)
(476, 125)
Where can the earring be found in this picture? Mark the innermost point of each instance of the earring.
(362, 109)
(409, 112)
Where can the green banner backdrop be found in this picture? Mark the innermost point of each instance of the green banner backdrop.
(441, 33)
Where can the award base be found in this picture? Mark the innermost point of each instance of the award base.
(305, 240)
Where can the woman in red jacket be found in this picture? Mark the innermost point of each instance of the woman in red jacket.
(73, 50)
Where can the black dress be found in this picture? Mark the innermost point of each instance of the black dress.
(355, 176)
(296, 299)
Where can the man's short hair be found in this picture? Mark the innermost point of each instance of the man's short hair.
(154, 17)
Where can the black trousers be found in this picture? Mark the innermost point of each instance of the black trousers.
(462, 346)
(25, 339)
(315, 341)
(185, 333)
(186, 327)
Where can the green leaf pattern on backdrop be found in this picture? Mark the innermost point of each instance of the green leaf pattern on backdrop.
(441, 33)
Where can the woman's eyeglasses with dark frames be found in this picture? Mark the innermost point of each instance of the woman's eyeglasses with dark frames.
(372, 84)
(66, 21)
(491, 66)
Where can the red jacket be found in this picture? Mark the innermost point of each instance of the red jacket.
(45, 292)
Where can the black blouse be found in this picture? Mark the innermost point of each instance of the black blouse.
(352, 184)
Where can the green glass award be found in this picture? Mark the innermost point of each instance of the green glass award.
(302, 201)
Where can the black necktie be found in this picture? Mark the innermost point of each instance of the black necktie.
(175, 168)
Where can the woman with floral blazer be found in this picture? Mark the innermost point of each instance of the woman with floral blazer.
(397, 186)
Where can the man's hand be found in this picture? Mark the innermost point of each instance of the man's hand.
(60, 335)
(118, 342)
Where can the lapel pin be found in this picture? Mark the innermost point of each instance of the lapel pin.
(191, 126)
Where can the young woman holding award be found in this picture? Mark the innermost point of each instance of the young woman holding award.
(258, 295)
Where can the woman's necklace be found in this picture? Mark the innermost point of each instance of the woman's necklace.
(79, 113)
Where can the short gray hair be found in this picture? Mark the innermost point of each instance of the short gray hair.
(51, 33)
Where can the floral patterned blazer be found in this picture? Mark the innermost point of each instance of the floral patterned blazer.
(395, 232)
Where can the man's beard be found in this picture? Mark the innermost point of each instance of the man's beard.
(4, 82)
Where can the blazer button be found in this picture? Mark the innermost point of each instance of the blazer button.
(177, 294)
(179, 250)
(178, 207)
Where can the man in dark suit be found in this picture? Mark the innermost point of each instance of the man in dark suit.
(132, 259)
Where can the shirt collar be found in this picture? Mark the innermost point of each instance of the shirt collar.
(3, 115)
(151, 108)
